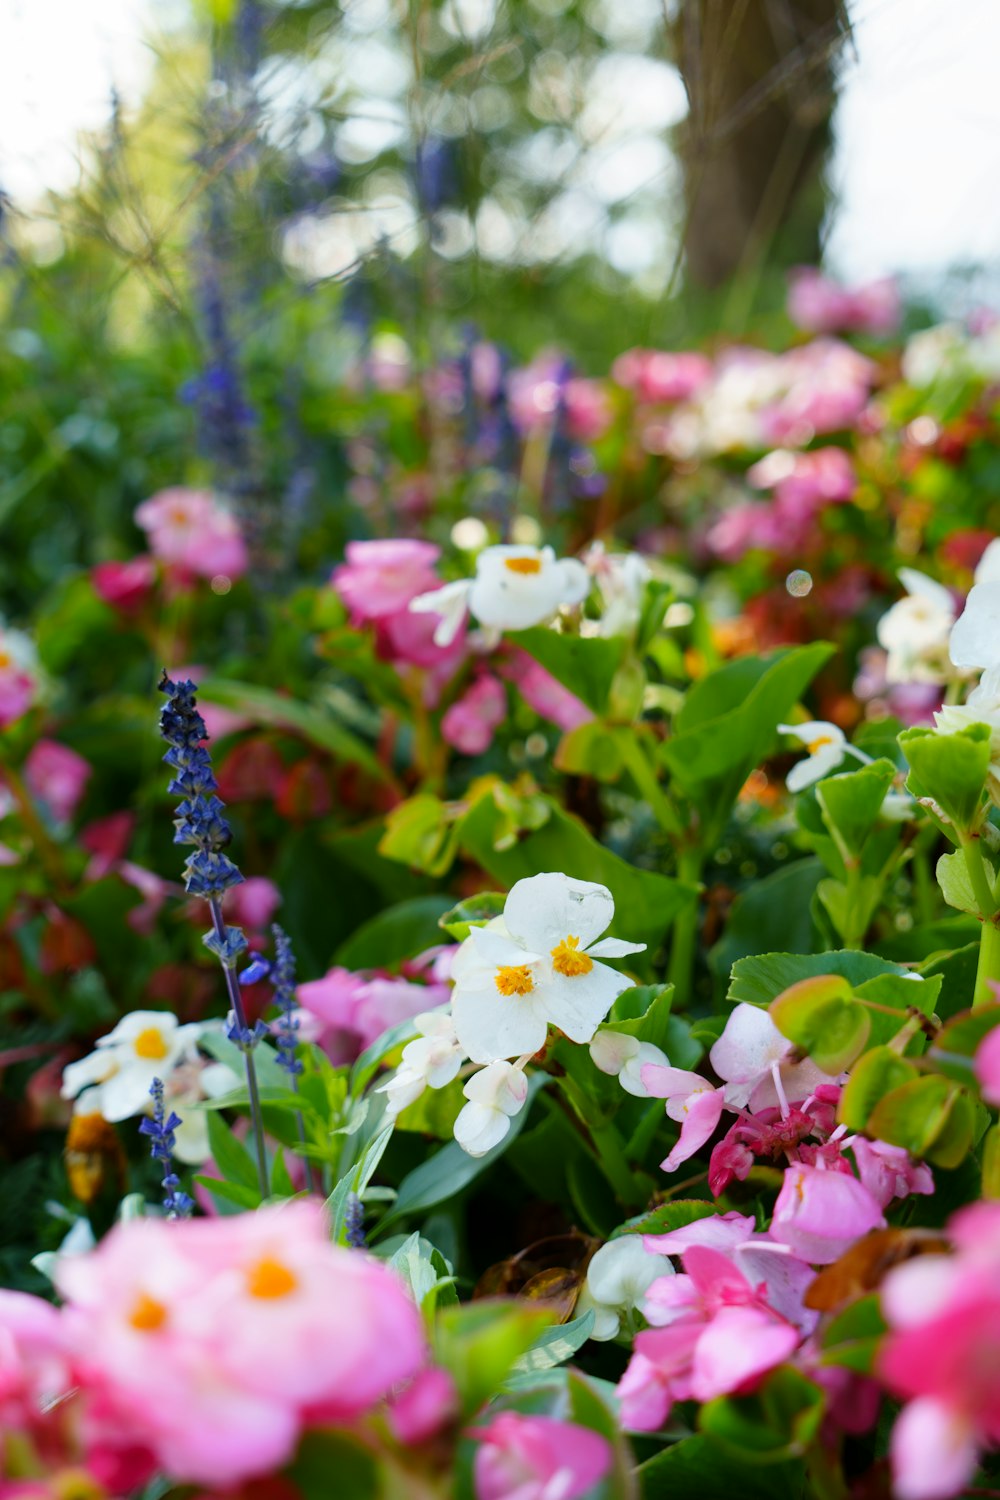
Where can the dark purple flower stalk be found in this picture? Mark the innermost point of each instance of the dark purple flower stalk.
(208, 872)
(160, 1129)
(354, 1222)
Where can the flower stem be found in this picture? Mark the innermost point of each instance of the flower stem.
(685, 939)
(988, 968)
(236, 1001)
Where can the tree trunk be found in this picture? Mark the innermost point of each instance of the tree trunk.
(759, 76)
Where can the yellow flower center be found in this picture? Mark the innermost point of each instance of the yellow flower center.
(523, 564)
(813, 745)
(147, 1314)
(179, 515)
(514, 979)
(150, 1044)
(566, 960)
(6, 660)
(76, 1484)
(271, 1278)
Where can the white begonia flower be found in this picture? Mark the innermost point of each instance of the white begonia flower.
(514, 588)
(495, 1094)
(621, 578)
(932, 352)
(618, 1277)
(432, 1061)
(975, 640)
(509, 986)
(914, 631)
(981, 707)
(988, 566)
(616, 1053)
(827, 745)
(146, 1044)
(185, 1091)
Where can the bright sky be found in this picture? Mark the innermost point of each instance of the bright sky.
(915, 173)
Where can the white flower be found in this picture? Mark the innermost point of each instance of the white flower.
(146, 1044)
(514, 588)
(915, 631)
(975, 640)
(432, 1061)
(615, 1052)
(933, 352)
(827, 746)
(621, 578)
(510, 985)
(618, 1277)
(981, 707)
(495, 1094)
(185, 1090)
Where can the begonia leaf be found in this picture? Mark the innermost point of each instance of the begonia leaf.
(822, 1018)
(951, 769)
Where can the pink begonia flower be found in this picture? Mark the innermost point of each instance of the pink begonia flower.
(889, 1172)
(407, 639)
(987, 1067)
(820, 1213)
(764, 1263)
(152, 888)
(826, 391)
(543, 692)
(18, 676)
(715, 1334)
(125, 586)
(422, 1408)
(690, 1099)
(821, 477)
(380, 578)
(252, 904)
(33, 1364)
(190, 531)
(352, 1011)
(58, 776)
(107, 840)
(656, 375)
(819, 304)
(538, 1458)
(217, 1341)
(536, 393)
(470, 723)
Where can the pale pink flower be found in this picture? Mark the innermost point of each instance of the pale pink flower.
(58, 776)
(352, 1011)
(19, 676)
(715, 1334)
(542, 389)
(471, 722)
(33, 1364)
(252, 904)
(154, 891)
(656, 375)
(987, 1067)
(422, 1408)
(889, 1172)
(692, 1100)
(538, 1458)
(191, 532)
(380, 578)
(808, 480)
(819, 304)
(820, 1213)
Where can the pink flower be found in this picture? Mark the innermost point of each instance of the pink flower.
(543, 692)
(58, 776)
(217, 1341)
(715, 1334)
(889, 1172)
(808, 480)
(191, 532)
(655, 375)
(422, 1408)
(827, 384)
(690, 1099)
(542, 389)
(154, 891)
(819, 1213)
(18, 676)
(252, 904)
(987, 1066)
(125, 585)
(538, 1458)
(380, 578)
(33, 1366)
(819, 304)
(107, 840)
(353, 1011)
(470, 723)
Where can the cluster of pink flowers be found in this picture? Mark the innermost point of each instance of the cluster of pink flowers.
(344, 1012)
(204, 1349)
(19, 676)
(190, 534)
(803, 485)
(819, 304)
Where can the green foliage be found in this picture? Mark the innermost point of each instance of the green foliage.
(778, 1422)
(480, 1343)
(950, 769)
(587, 665)
(822, 1017)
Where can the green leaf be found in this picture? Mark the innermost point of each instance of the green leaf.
(475, 911)
(851, 804)
(760, 979)
(646, 902)
(479, 1343)
(949, 768)
(956, 886)
(821, 1016)
(916, 1113)
(728, 720)
(991, 1163)
(322, 1453)
(873, 1076)
(400, 932)
(699, 1469)
(354, 1182)
(669, 1216)
(445, 1174)
(232, 1192)
(644, 1012)
(367, 1065)
(779, 1421)
(279, 712)
(421, 833)
(584, 664)
(556, 1345)
(591, 749)
(771, 912)
(956, 1044)
(230, 1155)
(422, 1268)
(852, 1338)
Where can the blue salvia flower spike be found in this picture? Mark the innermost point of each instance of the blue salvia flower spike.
(160, 1129)
(286, 1027)
(208, 872)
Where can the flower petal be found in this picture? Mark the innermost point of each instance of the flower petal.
(702, 1114)
(543, 910)
(490, 1025)
(933, 1451)
(611, 947)
(578, 1005)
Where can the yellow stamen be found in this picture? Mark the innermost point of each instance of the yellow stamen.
(523, 564)
(6, 660)
(270, 1278)
(813, 745)
(566, 960)
(514, 979)
(150, 1044)
(147, 1314)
